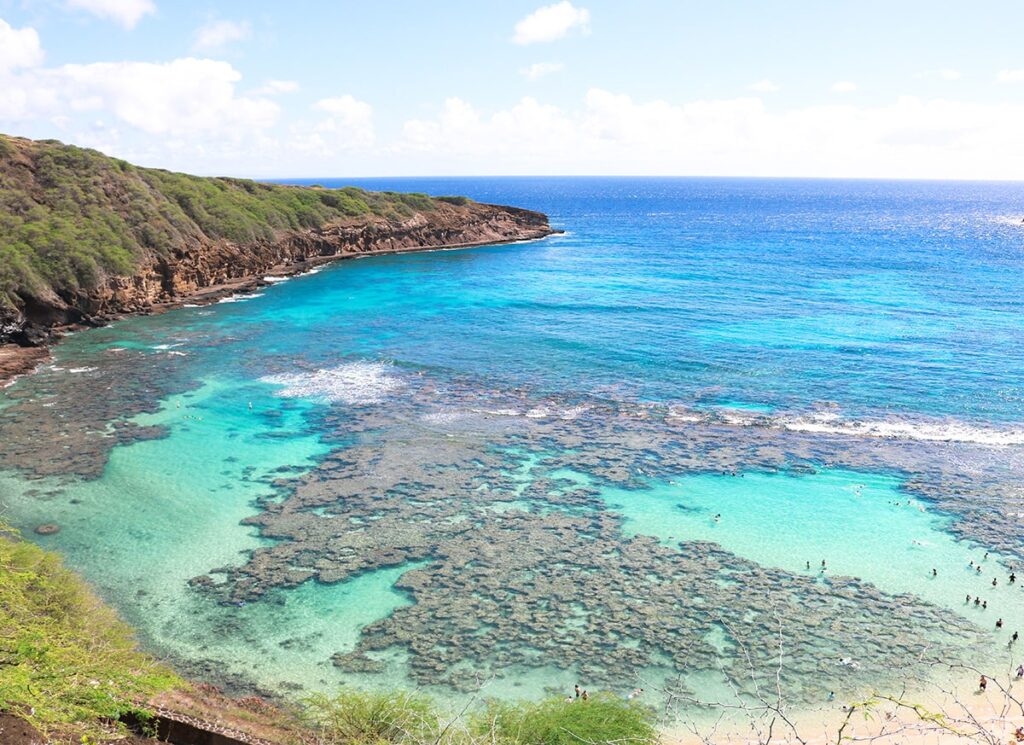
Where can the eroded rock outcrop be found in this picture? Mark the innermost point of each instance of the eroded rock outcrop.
(85, 237)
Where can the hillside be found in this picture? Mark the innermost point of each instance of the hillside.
(84, 236)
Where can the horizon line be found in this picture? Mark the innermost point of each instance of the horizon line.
(919, 179)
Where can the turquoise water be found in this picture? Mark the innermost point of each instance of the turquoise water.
(502, 467)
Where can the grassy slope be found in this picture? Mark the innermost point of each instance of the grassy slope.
(66, 660)
(71, 217)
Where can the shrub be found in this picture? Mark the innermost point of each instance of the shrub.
(604, 718)
(353, 717)
(65, 658)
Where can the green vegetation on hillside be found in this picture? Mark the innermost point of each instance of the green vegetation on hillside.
(66, 660)
(70, 217)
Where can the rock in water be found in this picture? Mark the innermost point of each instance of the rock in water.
(47, 529)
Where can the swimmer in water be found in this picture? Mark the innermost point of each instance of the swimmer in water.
(999, 624)
(934, 573)
(994, 581)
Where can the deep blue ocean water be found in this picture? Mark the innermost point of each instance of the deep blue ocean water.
(883, 297)
(852, 350)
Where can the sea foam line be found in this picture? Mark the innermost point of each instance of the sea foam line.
(922, 430)
(353, 383)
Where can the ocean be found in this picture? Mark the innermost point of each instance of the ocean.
(712, 415)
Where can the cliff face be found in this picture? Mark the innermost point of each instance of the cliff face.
(84, 237)
(212, 268)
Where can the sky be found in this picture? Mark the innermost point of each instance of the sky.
(894, 89)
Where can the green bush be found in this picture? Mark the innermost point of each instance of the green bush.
(65, 658)
(354, 717)
(604, 718)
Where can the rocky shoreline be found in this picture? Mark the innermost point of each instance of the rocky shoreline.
(220, 270)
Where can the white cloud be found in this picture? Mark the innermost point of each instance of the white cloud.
(275, 87)
(844, 86)
(125, 12)
(551, 22)
(1010, 76)
(764, 86)
(349, 123)
(215, 35)
(539, 69)
(18, 47)
(613, 133)
(184, 97)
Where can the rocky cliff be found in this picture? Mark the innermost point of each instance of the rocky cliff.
(84, 237)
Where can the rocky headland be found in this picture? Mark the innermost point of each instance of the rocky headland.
(85, 238)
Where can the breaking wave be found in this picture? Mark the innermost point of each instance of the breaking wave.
(240, 297)
(352, 383)
(894, 428)
(905, 429)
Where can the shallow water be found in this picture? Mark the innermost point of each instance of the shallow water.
(442, 469)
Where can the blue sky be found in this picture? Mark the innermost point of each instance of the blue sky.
(897, 89)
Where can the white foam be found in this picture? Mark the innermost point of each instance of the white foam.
(81, 369)
(950, 430)
(444, 416)
(240, 298)
(497, 412)
(351, 383)
(273, 280)
(164, 347)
